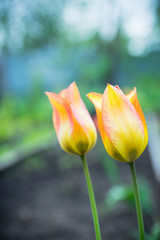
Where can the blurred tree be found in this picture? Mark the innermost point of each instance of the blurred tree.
(117, 50)
(26, 25)
(157, 8)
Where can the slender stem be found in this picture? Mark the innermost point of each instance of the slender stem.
(138, 201)
(92, 199)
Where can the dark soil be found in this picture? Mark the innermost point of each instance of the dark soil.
(49, 200)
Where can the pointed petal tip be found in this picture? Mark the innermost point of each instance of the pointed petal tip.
(132, 94)
(109, 85)
(109, 88)
(47, 93)
(73, 84)
(72, 88)
(89, 95)
(112, 89)
(50, 94)
(117, 87)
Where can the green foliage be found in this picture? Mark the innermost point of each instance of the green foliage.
(23, 119)
(148, 91)
(35, 164)
(125, 193)
(155, 232)
(37, 24)
(153, 235)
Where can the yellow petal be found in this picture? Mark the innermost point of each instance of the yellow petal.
(96, 99)
(62, 120)
(84, 128)
(132, 96)
(122, 124)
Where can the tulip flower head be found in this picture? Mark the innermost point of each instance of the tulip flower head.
(121, 123)
(74, 127)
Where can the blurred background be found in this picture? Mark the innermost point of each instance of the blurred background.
(44, 46)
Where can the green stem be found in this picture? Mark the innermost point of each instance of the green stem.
(138, 201)
(92, 199)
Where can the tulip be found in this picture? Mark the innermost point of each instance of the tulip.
(74, 127)
(76, 134)
(121, 123)
(124, 132)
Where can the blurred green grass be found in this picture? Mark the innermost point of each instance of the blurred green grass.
(23, 119)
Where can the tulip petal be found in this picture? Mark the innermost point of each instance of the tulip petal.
(82, 119)
(132, 96)
(96, 99)
(78, 107)
(62, 119)
(63, 112)
(122, 124)
(74, 127)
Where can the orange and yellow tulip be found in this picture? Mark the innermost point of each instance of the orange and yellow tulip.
(121, 123)
(74, 127)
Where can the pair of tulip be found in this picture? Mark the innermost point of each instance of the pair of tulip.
(120, 120)
(121, 124)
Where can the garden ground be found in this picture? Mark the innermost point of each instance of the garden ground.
(46, 199)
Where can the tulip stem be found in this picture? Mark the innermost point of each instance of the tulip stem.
(138, 201)
(92, 198)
